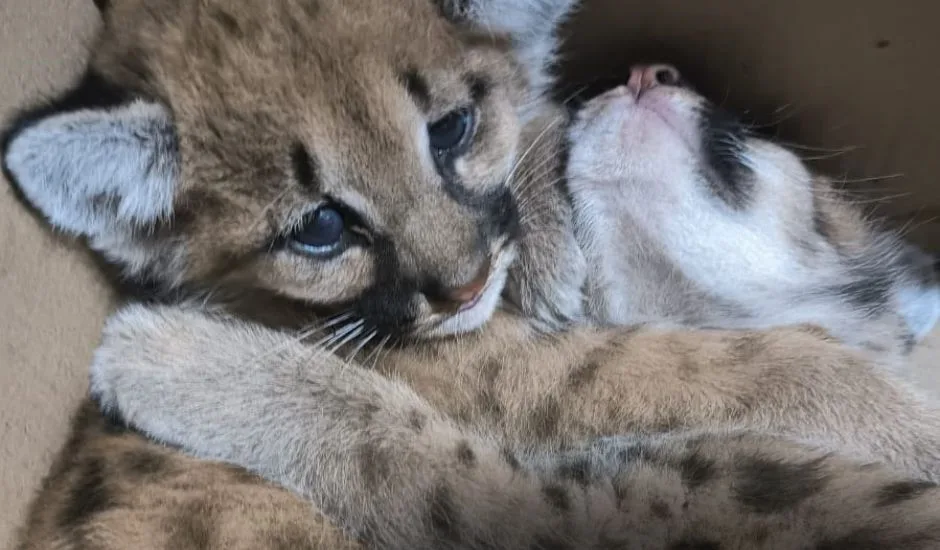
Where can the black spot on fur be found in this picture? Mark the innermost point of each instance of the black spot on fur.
(443, 514)
(723, 138)
(143, 462)
(696, 470)
(417, 420)
(767, 486)
(102, 5)
(882, 44)
(510, 457)
(557, 496)
(88, 496)
(695, 544)
(544, 418)
(417, 88)
(367, 412)
(660, 509)
(374, 463)
(191, 528)
(465, 454)
(577, 471)
(902, 491)
(583, 375)
(305, 168)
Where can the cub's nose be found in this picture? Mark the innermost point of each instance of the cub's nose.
(461, 297)
(647, 77)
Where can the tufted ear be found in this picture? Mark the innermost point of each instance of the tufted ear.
(100, 171)
(531, 24)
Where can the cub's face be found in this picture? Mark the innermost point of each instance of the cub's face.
(687, 215)
(350, 155)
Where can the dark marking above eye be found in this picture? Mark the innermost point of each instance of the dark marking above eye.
(479, 86)
(417, 88)
(305, 167)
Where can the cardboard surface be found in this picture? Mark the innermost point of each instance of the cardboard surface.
(834, 74)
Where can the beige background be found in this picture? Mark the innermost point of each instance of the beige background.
(841, 72)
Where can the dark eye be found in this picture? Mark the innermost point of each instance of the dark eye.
(451, 131)
(322, 232)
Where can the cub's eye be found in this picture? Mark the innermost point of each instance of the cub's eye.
(321, 232)
(451, 132)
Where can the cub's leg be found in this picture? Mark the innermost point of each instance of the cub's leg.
(112, 489)
(387, 465)
(793, 381)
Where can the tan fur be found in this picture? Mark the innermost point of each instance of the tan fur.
(493, 442)
(244, 83)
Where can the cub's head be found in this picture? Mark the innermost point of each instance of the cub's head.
(340, 154)
(692, 216)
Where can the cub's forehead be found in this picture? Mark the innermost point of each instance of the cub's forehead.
(194, 45)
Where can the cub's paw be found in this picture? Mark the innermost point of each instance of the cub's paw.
(137, 367)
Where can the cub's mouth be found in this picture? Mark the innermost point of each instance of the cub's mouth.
(478, 303)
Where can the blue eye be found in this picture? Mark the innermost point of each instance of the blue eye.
(322, 232)
(450, 132)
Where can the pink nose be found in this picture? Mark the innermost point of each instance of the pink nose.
(647, 77)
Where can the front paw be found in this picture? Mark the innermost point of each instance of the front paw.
(139, 372)
(117, 360)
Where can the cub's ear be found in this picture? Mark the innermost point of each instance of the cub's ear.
(102, 172)
(531, 24)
